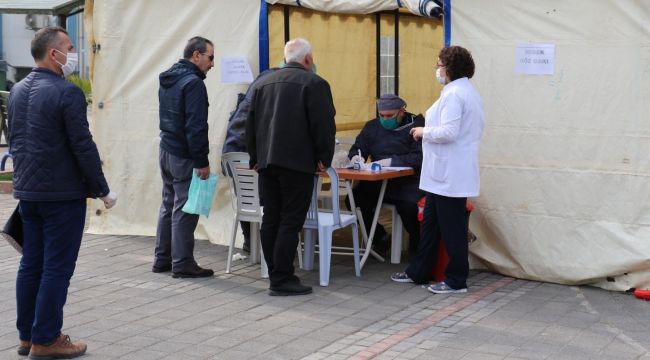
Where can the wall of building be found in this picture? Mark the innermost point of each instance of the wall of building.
(16, 38)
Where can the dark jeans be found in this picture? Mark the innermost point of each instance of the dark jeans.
(52, 237)
(285, 195)
(446, 218)
(175, 232)
(365, 196)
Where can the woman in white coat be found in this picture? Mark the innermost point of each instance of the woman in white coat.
(450, 172)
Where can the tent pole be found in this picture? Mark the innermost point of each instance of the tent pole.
(447, 22)
(378, 55)
(286, 24)
(396, 52)
(264, 36)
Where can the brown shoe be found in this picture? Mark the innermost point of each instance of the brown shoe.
(61, 348)
(23, 347)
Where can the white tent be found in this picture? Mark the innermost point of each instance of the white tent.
(135, 41)
(564, 160)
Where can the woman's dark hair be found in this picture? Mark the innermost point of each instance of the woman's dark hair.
(196, 43)
(458, 62)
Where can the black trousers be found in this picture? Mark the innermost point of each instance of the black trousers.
(446, 218)
(365, 196)
(285, 195)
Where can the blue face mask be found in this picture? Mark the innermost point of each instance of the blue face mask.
(388, 124)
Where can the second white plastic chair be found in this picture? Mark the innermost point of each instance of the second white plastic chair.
(326, 222)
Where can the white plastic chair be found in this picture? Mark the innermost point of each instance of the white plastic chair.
(247, 206)
(326, 222)
(345, 188)
(245, 194)
(343, 143)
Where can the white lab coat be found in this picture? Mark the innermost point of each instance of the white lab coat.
(452, 133)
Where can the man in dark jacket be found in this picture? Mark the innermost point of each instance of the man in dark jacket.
(386, 139)
(290, 135)
(184, 148)
(56, 167)
(235, 140)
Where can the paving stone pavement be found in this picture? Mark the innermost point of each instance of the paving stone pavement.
(124, 311)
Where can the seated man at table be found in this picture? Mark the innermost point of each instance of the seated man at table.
(387, 138)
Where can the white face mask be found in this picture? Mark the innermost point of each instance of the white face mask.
(70, 62)
(440, 78)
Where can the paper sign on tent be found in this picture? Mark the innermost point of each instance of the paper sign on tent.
(235, 70)
(535, 59)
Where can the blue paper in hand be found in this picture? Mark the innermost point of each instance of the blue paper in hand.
(201, 193)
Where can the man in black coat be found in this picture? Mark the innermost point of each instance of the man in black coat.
(290, 135)
(387, 139)
(184, 149)
(56, 167)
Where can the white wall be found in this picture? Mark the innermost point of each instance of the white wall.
(15, 43)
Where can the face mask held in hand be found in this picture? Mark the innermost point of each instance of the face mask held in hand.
(70, 62)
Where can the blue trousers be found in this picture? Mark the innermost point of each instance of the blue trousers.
(52, 237)
(444, 218)
(175, 231)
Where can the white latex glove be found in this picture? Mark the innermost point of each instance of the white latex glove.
(385, 162)
(357, 159)
(110, 200)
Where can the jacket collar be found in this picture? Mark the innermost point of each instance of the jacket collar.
(407, 121)
(46, 71)
(193, 67)
(295, 65)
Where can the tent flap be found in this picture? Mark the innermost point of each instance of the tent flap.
(419, 7)
(132, 52)
(564, 165)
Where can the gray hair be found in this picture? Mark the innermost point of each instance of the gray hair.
(296, 50)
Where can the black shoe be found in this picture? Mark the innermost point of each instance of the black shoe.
(291, 288)
(198, 272)
(161, 269)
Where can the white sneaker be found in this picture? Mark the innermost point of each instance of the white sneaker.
(401, 277)
(443, 288)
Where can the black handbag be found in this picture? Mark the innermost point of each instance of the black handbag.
(13, 230)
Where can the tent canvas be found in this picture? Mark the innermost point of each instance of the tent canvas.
(134, 42)
(564, 160)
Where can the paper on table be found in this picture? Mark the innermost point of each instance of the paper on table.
(367, 166)
(396, 168)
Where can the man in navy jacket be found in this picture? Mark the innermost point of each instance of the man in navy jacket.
(56, 167)
(184, 149)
